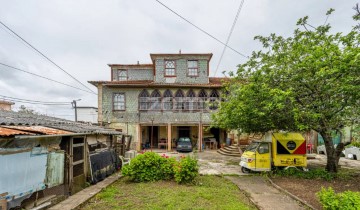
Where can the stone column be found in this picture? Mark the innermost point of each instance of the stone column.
(200, 142)
(169, 137)
(139, 137)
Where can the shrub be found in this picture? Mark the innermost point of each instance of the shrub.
(345, 200)
(167, 167)
(311, 174)
(186, 170)
(150, 167)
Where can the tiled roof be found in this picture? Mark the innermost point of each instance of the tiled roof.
(213, 82)
(133, 66)
(12, 132)
(6, 102)
(10, 118)
(154, 55)
(38, 129)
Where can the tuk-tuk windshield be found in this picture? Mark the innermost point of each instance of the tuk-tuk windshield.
(252, 147)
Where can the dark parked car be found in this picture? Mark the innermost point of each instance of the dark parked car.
(184, 144)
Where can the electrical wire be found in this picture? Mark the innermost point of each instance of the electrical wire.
(12, 67)
(47, 58)
(230, 33)
(200, 29)
(13, 99)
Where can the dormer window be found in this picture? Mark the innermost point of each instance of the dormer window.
(192, 68)
(122, 75)
(170, 68)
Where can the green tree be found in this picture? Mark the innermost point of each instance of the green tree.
(24, 110)
(308, 81)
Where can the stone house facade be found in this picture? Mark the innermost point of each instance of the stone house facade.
(159, 102)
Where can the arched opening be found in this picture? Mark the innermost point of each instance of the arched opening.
(168, 100)
(179, 100)
(214, 100)
(202, 99)
(190, 103)
(144, 100)
(155, 100)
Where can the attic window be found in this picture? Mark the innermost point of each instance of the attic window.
(169, 68)
(122, 75)
(192, 68)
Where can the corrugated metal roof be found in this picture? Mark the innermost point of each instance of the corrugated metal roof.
(10, 118)
(39, 130)
(288, 136)
(12, 132)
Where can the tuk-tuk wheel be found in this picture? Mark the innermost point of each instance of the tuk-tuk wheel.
(245, 170)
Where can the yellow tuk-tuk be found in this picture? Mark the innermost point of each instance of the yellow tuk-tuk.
(276, 150)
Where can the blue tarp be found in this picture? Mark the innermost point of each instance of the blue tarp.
(23, 173)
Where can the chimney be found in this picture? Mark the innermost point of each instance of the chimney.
(180, 51)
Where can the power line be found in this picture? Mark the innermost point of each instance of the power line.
(230, 33)
(200, 29)
(43, 77)
(47, 58)
(13, 99)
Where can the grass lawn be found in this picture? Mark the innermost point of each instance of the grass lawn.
(210, 192)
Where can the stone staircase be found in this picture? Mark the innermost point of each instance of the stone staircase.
(232, 150)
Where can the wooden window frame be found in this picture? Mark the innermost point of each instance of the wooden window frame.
(146, 100)
(188, 69)
(113, 102)
(118, 73)
(171, 102)
(168, 60)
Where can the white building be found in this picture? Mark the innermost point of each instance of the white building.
(87, 114)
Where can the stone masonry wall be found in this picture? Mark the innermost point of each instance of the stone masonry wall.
(181, 70)
(132, 115)
(135, 74)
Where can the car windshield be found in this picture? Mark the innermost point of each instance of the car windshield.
(184, 139)
(252, 147)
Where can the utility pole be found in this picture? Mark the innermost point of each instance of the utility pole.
(73, 103)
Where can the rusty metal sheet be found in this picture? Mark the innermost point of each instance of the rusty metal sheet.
(39, 130)
(12, 132)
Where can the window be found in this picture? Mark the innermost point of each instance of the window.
(155, 100)
(214, 100)
(122, 75)
(190, 103)
(144, 103)
(170, 68)
(192, 68)
(168, 100)
(119, 101)
(202, 99)
(263, 148)
(179, 100)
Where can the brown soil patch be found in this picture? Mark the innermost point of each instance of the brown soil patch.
(306, 189)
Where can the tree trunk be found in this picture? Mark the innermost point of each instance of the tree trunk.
(333, 155)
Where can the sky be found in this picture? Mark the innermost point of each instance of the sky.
(83, 36)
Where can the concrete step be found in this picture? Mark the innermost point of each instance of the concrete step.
(229, 149)
(229, 154)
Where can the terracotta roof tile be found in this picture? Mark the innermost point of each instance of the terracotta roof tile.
(38, 130)
(12, 132)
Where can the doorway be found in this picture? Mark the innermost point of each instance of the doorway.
(155, 135)
(184, 131)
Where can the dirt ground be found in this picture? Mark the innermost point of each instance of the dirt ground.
(306, 189)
